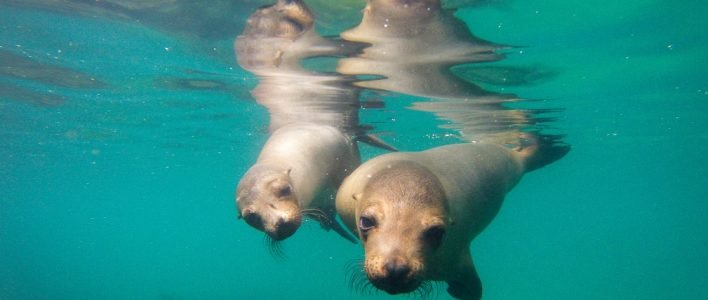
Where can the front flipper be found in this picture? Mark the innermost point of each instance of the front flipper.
(337, 227)
(329, 222)
(467, 285)
(376, 142)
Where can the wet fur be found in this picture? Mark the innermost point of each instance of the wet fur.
(461, 185)
(315, 157)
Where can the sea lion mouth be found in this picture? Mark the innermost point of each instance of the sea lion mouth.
(396, 286)
(279, 230)
(396, 278)
(283, 229)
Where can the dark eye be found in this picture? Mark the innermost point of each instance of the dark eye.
(366, 223)
(283, 191)
(433, 236)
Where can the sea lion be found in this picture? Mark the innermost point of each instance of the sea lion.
(296, 174)
(314, 123)
(417, 212)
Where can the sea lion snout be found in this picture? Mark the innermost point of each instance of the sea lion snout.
(284, 228)
(278, 225)
(394, 275)
(397, 269)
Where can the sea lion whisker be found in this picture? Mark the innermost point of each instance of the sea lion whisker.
(364, 287)
(313, 210)
(425, 291)
(275, 248)
(317, 215)
(436, 287)
(370, 288)
(352, 272)
(357, 280)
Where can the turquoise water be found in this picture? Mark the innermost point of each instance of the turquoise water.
(124, 132)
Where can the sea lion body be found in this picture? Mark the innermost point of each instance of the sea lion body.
(417, 212)
(298, 169)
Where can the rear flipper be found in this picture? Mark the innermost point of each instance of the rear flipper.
(467, 286)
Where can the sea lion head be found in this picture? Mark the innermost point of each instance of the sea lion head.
(266, 201)
(401, 219)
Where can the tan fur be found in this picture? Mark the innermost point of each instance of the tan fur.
(311, 159)
(458, 187)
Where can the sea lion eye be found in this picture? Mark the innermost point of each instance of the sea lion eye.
(366, 223)
(283, 191)
(433, 236)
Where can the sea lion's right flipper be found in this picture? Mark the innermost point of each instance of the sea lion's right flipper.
(328, 221)
(375, 141)
(538, 150)
(341, 231)
(468, 286)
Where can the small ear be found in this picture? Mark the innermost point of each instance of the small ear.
(356, 196)
(287, 172)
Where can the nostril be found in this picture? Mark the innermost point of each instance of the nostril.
(397, 269)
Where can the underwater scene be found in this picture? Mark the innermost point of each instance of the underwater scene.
(353, 149)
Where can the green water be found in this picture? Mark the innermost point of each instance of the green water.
(117, 175)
